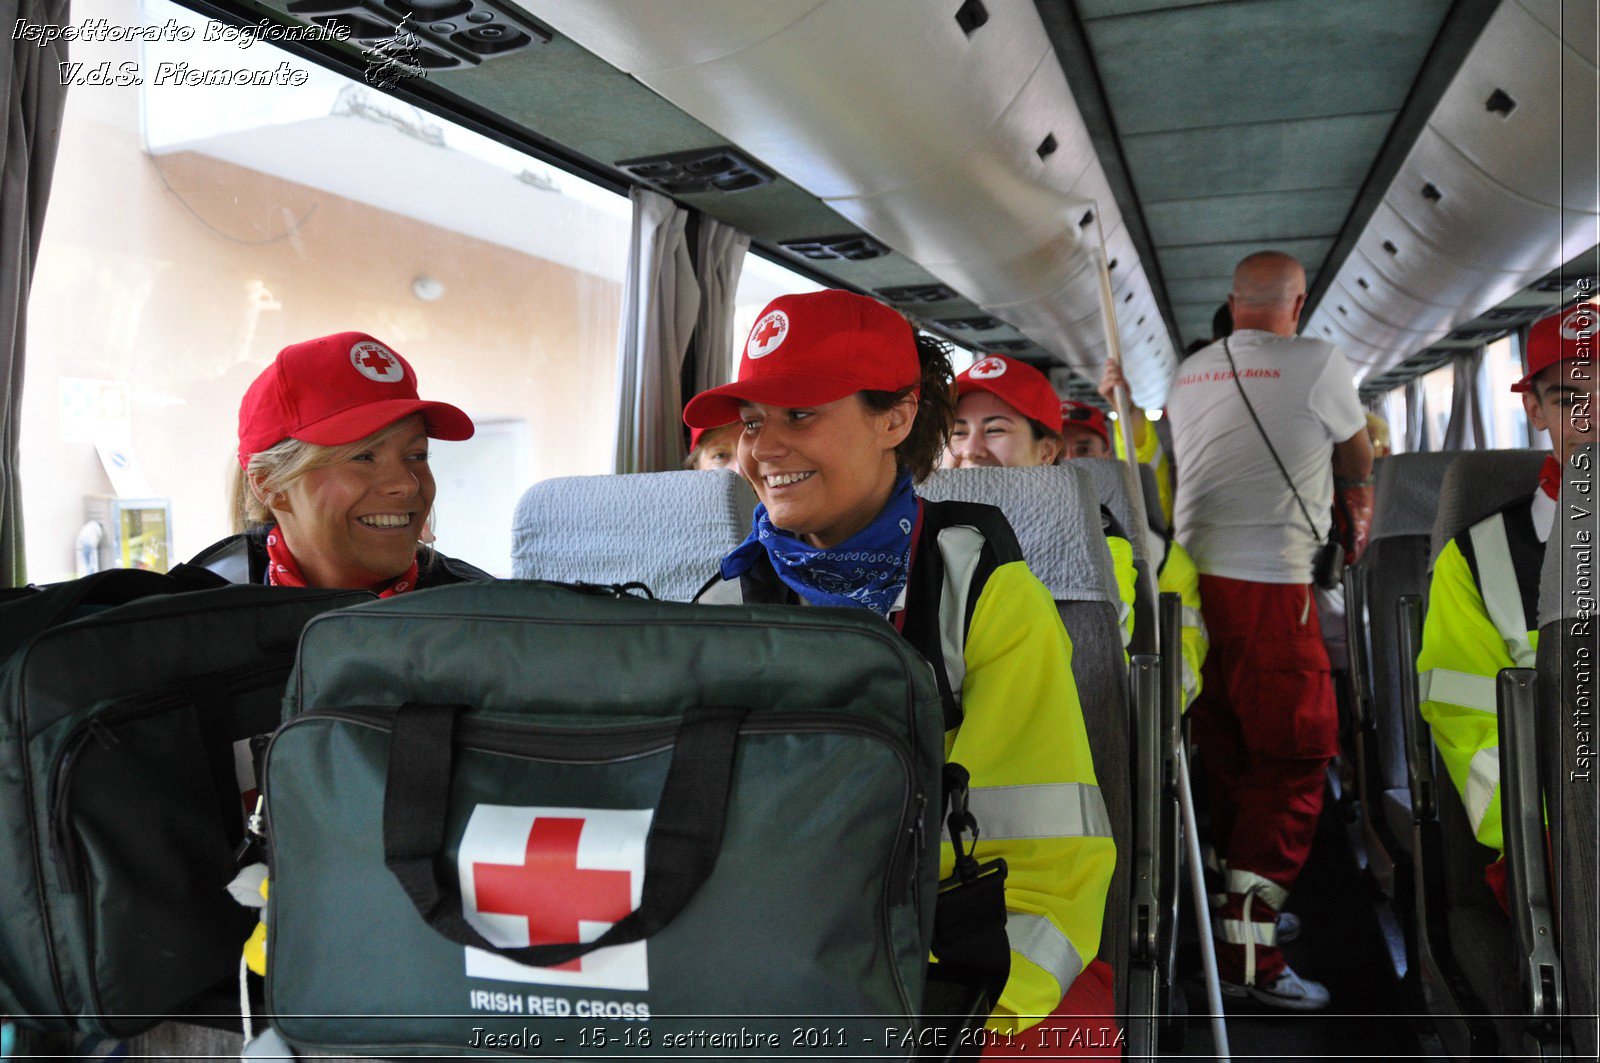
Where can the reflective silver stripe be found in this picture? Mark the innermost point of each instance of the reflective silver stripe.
(1124, 612)
(1191, 684)
(1483, 781)
(960, 548)
(1045, 810)
(1497, 582)
(1458, 688)
(1193, 618)
(723, 592)
(1239, 932)
(1039, 940)
(1270, 892)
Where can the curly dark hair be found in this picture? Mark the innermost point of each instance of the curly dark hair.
(936, 408)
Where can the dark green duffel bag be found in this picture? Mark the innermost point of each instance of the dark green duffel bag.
(127, 701)
(735, 809)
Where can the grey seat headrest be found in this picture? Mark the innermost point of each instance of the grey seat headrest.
(667, 530)
(1481, 482)
(1112, 482)
(1405, 493)
(1567, 589)
(1056, 514)
(1152, 499)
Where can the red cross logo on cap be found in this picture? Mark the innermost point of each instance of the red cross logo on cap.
(768, 334)
(376, 362)
(1579, 323)
(988, 369)
(540, 876)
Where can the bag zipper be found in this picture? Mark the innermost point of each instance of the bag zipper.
(506, 738)
(64, 844)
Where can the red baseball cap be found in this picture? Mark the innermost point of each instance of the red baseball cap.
(806, 350)
(1027, 390)
(336, 390)
(1560, 337)
(1091, 417)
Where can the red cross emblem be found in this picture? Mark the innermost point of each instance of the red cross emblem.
(767, 335)
(988, 369)
(550, 890)
(376, 362)
(540, 876)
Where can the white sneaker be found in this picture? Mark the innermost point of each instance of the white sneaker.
(1288, 990)
(1288, 927)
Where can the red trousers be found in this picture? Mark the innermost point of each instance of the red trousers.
(1266, 725)
(1083, 1027)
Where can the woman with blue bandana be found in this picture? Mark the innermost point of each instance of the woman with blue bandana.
(843, 408)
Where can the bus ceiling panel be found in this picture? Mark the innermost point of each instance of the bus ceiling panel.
(1522, 109)
(1479, 222)
(1381, 298)
(1209, 261)
(1342, 306)
(1355, 349)
(661, 34)
(1577, 22)
(1426, 273)
(1261, 218)
(853, 99)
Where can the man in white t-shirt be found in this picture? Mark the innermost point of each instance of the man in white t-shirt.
(1266, 722)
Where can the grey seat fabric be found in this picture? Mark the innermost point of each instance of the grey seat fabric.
(1477, 484)
(1152, 499)
(1056, 514)
(667, 530)
(1113, 483)
(1569, 646)
(1406, 491)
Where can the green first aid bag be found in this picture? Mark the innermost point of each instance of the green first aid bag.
(519, 817)
(127, 703)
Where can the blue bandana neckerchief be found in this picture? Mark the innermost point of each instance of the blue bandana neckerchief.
(868, 569)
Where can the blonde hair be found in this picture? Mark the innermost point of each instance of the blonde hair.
(271, 471)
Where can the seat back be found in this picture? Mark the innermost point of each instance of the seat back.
(1113, 484)
(667, 530)
(1406, 491)
(1569, 646)
(1152, 499)
(1055, 512)
(1477, 484)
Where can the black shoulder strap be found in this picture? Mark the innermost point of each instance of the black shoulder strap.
(1268, 441)
(230, 558)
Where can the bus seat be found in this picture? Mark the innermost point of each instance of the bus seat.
(1056, 515)
(1113, 486)
(1152, 499)
(667, 530)
(1405, 501)
(1452, 893)
(1568, 650)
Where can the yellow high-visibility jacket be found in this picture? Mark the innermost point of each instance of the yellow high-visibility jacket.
(1148, 450)
(1482, 617)
(1021, 737)
(1176, 573)
(1127, 577)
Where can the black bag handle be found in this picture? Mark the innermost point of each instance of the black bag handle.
(684, 842)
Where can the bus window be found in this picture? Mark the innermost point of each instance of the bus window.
(760, 281)
(1505, 419)
(195, 230)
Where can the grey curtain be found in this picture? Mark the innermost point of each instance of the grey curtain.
(1416, 418)
(1464, 431)
(660, 305)
(35, 99)
(720, 258)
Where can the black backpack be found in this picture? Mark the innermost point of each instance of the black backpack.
(128, 700)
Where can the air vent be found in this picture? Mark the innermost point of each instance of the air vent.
(917, 293)
(682, 173)
(1087, 219)
(1363, 282)
(850, 248)
(1560, 283)
(1510, 313)
(407, 37)
(1139, 322)
(1342, 310)
(971, 16)
(1388, 245)
(981, 323)
(1128, 298)
(1500, 103)
(1047, 147)
(1009, 345)
(1481, 333)
(1431, 193)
